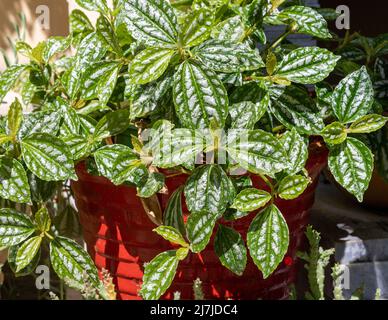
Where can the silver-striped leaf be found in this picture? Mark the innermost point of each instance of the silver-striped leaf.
(27, 252)
(14, 184)
(209, 190)
(73, 264)
(296, 148)
(291, 187)
(307, 20)
(15, 227)
(152, 21)
(251, 199)
(197, 27)
(230, 249)
(149, 65)
(307, 65)
(257, 151)
(199, 96)
(120, 164)
(351, 164)
(295, 109)
(268, 239)
(353, 97)
(48, 157)
(159, 274)
(199, 229)
(228, 57)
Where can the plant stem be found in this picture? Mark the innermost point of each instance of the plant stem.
(279, 39)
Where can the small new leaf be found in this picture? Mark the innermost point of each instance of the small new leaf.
(251, 199)
(27, 252)
(367, 124)
(334, 133)
(171, 234)
(291, 187)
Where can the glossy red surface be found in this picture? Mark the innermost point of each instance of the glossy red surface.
(120, 239)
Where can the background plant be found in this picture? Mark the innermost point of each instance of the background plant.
(191, 72)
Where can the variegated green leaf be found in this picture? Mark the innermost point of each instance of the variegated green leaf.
(28, 92)
(40, 122)
(79, 146)
(230, 249)
(251, 199)
(351, 164)
(71, 122)
(291, 187)
(55, 45)
(199, 228)
(90, 50)
(43, 220)
(209, 190)
(171, 234)
(152, 21)
(158, 275)
(14, 184)
(93, 5)
(231, 29)
(99, 81)
(173, 214)
(226, 56)
(154, 184)
(307, 20)
(48, 157)
(296, 148)
(307, 65)
(246, 114)
(27, 252)
(199, 96)
(15, 118)
(79, 22)
(334, 133)
(368, 123)
(120, 164)
(176, 147)
(147, 99)
(295, 109)
(30, 268)
(149, 65)
(73, 264)
(353, 97)
(107, 35)
(9, 77)
(15, 227)
(268, 239)
(257, 151)
(197, 27)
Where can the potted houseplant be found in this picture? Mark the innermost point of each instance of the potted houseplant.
(357, 50)
(168, 117)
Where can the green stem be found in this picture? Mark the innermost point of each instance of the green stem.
(279, 39)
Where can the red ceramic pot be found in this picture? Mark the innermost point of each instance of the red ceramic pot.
(120, 239)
